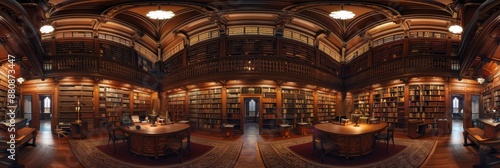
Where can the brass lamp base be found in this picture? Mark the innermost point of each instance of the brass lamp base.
(78, 121)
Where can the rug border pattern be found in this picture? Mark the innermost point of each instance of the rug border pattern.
(223, 154)
(277, 154)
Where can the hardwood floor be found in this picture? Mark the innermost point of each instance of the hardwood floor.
(54, 152)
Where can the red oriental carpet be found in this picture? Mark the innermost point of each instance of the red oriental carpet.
(204, 153)
(298, 153)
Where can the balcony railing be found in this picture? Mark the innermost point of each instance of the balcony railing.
(94, 66)
(297, 69)
(406, 67)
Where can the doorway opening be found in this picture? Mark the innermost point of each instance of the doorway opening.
(27, 108)
(45, 107)
(457, 107)
(251, 106)
(475, 108)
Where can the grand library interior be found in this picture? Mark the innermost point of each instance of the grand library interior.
(249, 83)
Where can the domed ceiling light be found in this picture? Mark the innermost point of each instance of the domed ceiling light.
(160, 14)
(480, 80)
(342, 14)
(456, 29)
(46, 29)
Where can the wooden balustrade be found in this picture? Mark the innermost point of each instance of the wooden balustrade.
(406, 67)
(259, 55)
(252, 64)
(85, 65)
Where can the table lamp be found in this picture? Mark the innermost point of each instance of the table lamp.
(356, 114)
(78, 106)
(153, 116)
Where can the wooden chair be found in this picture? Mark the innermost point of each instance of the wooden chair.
(323, 144)
(114, 136)
(180, 145)
(126, 120)
(389, 135)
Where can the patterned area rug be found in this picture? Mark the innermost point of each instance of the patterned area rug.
(279, 154)
(223, 154)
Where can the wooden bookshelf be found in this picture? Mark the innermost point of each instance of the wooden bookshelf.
(297, 106)
(116, 51)
(113, 101)
(487, 103)
(269, 113)
(496, 98)
(69, 47)
(326, 106)
(69, 94)
(234, 112)
(389, 105)
(361, 101)
(176, 106)
(205, 108)
(3, 103)
(200, 53)
(426, 102)
(141, 102)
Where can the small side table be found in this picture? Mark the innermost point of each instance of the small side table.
(228, 130)
(302, 126)
(285, 130)
(78, 130)
(442, 124)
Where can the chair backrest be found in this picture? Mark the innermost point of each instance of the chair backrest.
(126, 119)
(111, 130)
(390, 130)
(319, 138)
(184, 138)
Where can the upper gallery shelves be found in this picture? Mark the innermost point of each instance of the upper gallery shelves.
(128, 18)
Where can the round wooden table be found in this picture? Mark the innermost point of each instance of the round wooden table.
(352, 141)
(151, 141)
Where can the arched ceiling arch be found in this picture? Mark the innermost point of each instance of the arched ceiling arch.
(374, 18)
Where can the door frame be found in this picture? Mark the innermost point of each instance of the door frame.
(243, 106)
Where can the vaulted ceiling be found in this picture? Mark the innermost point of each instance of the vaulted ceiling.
(374, 19)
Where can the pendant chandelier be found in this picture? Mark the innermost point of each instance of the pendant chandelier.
(456, 29)
(342, 14)
(160, 14)
(46, 29)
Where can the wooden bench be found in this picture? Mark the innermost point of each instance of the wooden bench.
(486, 139)
(23, 135)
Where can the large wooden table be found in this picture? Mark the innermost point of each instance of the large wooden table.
(151, 141)
(352, 141)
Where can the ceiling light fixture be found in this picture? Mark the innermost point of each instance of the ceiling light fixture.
(342, 14)
(47, 29)
(480, 80)
(160, 14)
(456, 29)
